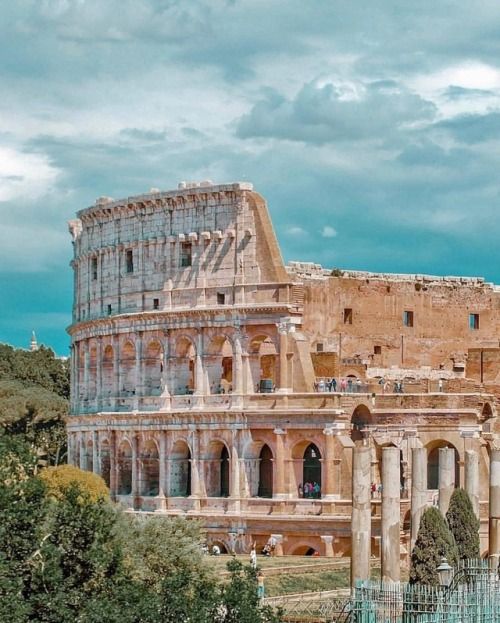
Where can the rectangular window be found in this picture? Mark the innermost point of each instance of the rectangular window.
(129, 261)
(156, 303)
(185, 254)
(319, 347)
(377, 350)
(347, 315)
(474, 322)
(94, 269)
(109, 310)
(221, 298)
(408, 318)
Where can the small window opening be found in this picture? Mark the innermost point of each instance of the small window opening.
(474, 322)
(109, 310)
(408, 318)
(130, 261)
(319, 347)
(156, 303)
(94, 269)
(221, 298)
(186, 254)
(347, 315)
(377, 350)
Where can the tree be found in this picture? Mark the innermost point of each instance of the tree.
(464, 525)
(434, 542)
(58, 480)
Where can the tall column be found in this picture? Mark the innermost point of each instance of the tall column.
(361, 515)
(116, 367)
(472, 478)
(72, 378)
(283, 345)
(195, 469)
(446, 478)
(238, 366)
(113, 466)
(390, 518)
(83, 453)
(135, 468)
(139, 375)
(280, 463)
(418, 490)
(98, 373)
(494, 532)
(86, 370)
(198, 371)
(165, 389)
(235, 474)
(96, 465)
(329, 465)
(162, 456)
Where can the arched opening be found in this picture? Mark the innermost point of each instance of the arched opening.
(219, 365)
(89, 458)
(305, 550)
(92, 373)
(127, 369)
(180, 470)
(487, 411)
(184, 366)
(360, 420)
(224, 473)
(104, 456)
(263, 360)
(153, 368)
(107, 371)
(311, 471)
(222, 547)
(433, 465)
(150, 469)
(125, 469)
(265, 489)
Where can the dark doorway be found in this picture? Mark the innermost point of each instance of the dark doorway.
(265, 473)
(224, 473)
(312, 472)
(433, 468)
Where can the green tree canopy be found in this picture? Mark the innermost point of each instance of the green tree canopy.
(434, 542)
(464, 525)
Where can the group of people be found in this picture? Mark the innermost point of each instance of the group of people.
(309, 490)
(349, 385)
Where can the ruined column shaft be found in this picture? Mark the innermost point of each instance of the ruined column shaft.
(472, 478)
(390, 519)
(494, 528)
(446, 477)
(361, 515)
(329, 465)
(418, 490)
(280, 464)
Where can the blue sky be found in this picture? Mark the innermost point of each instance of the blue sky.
(371, 128)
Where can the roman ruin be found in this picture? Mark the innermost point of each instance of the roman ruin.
(202, 371)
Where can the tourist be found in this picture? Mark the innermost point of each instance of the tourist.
(343, 385)
(253, 557)
(301, 490)
(316, 490)
(333, 385)
(349, 386)
(440, 385)
(215, 550)
(358, 386)
(306, 489)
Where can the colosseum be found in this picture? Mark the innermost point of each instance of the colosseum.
(209, 379)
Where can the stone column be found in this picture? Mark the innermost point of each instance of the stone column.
(86, 370)
(165, 390)
(278, 544)
(199, 377)
(136, 471)
(329, 465)
(139, 375)
(418, 490)
(283, 346)
(195, 470)
(235, 475)
(280, 491)
(83, 453)
(98, 373)
(446, 478)
(472, 478)
(238, 366)
(494, 531)
(113, 466)
(162, 455)
(390, 516)
(116, 368)
(96, 464)
(70, 451)
(328, 541)
(361, 515)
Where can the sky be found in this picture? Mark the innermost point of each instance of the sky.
(372, 129)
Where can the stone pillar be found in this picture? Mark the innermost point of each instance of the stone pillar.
(86, 370)
(277, 539)
(70, 451)
(238, 366)
(283, 346)
(199, 377)
(135, 469)
(162, 455)
(390, 516)
(96, 463)
(328, 541)
(418, 490)
(446, 478)
(361, 515)
(83, 453)
(472, 478)
(195, 470)
(165, 389)
(280, 491)
(116, 367)
(98, 373)
(329, 465)
(235, 476)
(139, 376)
(494, 531)
(113, 466)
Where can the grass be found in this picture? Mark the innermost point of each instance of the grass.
(306, 582)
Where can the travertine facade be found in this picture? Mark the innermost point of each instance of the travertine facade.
(183, 309)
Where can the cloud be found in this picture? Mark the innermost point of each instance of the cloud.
(295, 230)
(23, 174)
(328, 232)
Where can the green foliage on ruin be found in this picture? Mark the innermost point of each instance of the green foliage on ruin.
(34, 392)
(464, 525)
(434, 542)
(76, 558)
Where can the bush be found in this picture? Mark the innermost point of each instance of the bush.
(434, 542)
(59, 480)
(464, 525)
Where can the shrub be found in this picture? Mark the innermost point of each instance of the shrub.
(59, 480)
(464, 525)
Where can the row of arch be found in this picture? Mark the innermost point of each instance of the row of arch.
(128, 368)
